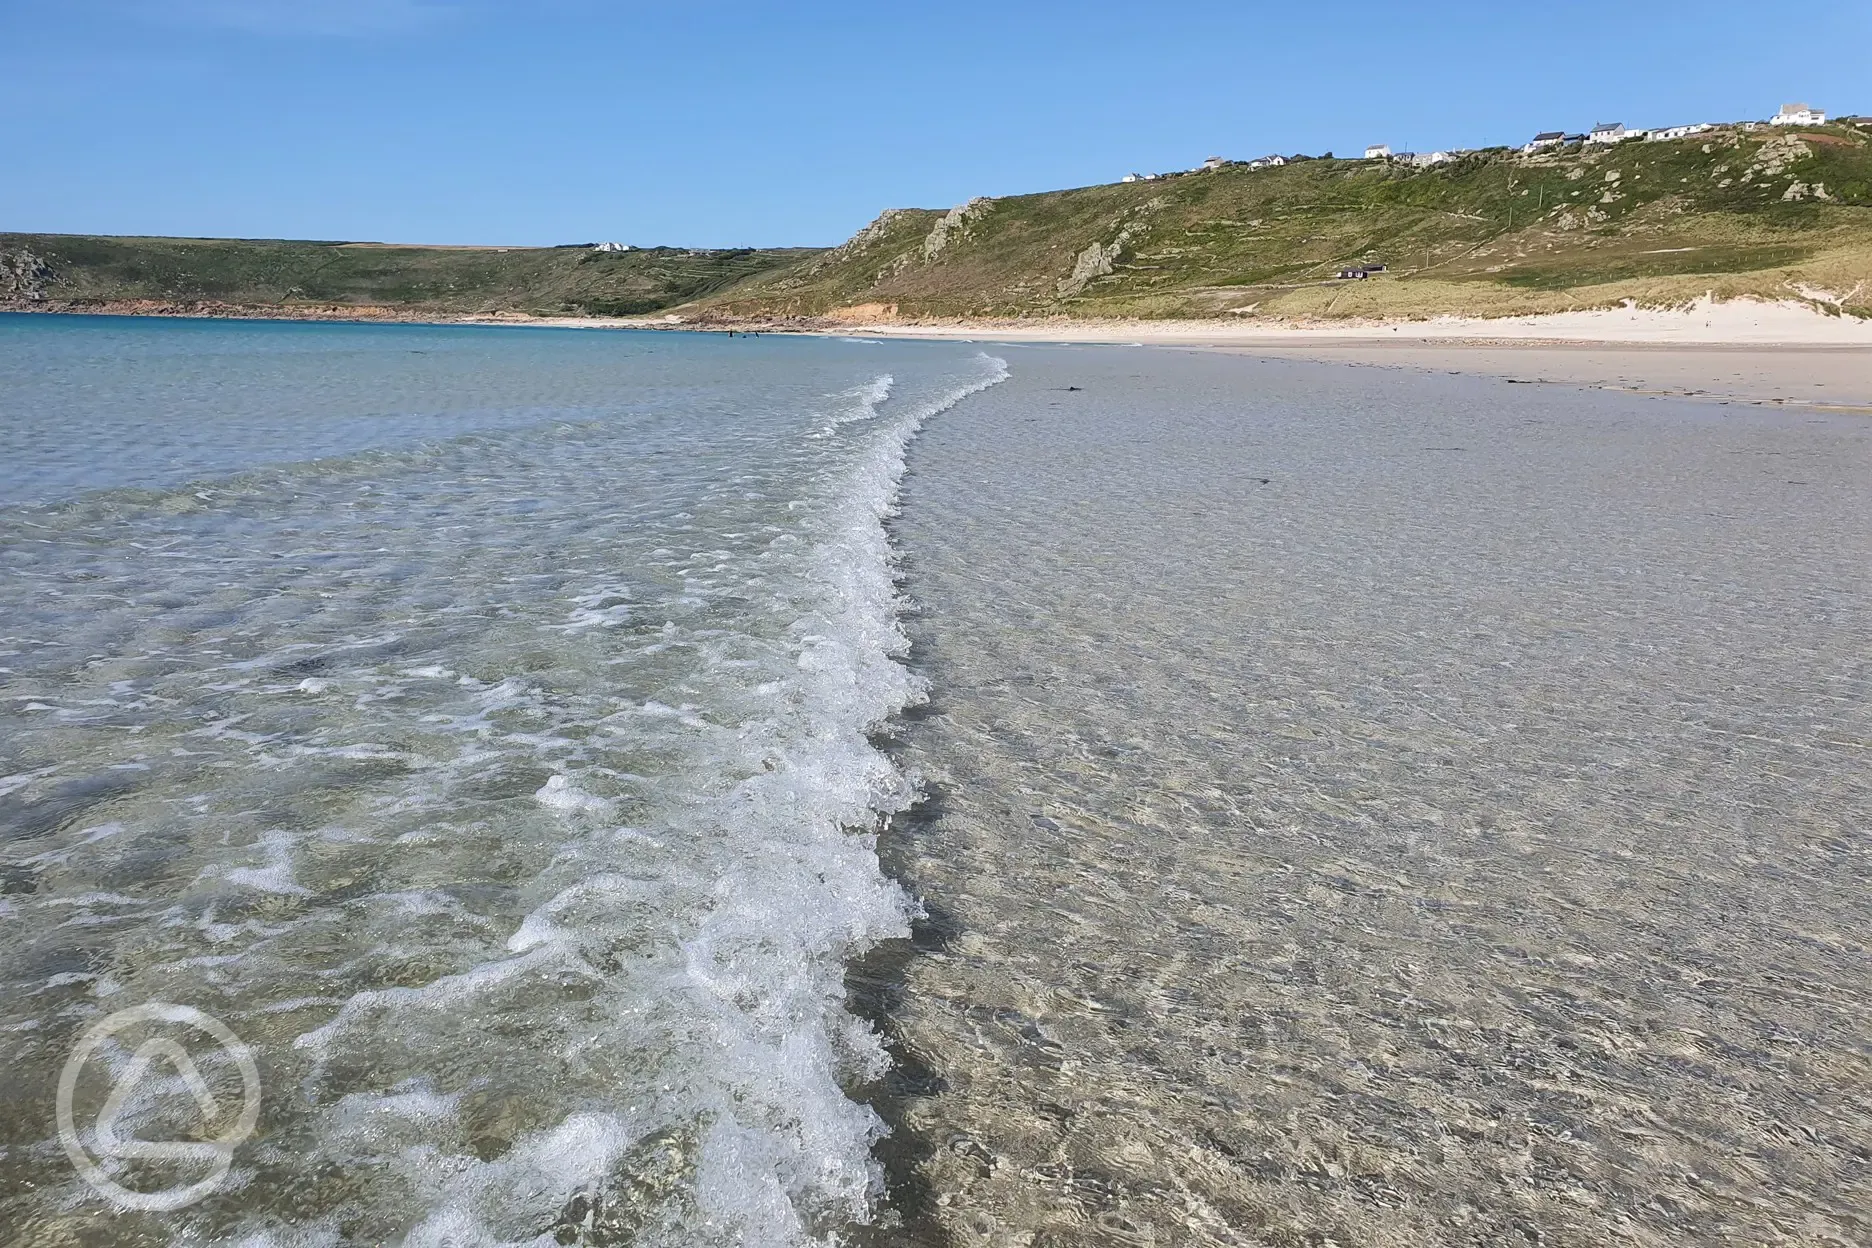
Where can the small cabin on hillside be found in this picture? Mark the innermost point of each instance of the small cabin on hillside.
(1545, 139)
(1608, 132)
(1798, 115)
(1212, 164)
(1378, 151)
(1267, 162)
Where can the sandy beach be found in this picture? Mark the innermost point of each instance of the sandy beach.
(1830, 377)
(1787, 353)
(1381, 808)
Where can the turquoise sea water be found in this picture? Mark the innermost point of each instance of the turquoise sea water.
(475, 722)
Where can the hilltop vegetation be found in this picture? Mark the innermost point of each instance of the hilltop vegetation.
(1778, 214)
(1738, 211)
(75, 272)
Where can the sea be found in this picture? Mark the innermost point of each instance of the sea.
(478, 786)
(478, 723)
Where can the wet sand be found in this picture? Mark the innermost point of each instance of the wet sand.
(1832, 377)
(1378, 808)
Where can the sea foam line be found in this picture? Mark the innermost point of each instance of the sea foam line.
(753, 996)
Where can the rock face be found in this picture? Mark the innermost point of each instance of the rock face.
(1094, 261)
(1097, 259)
(859, 243)
(23, 276)
(954, 225)
(871, 234)
(1776, 155)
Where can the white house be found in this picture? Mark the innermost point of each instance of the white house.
(1423, 160)
(1132, 177)
(612, 247)
(1678, 132)
(1798, 115)
(1211, 165)
(1378, 151)
(1545, 139)
(1268, 162)
(1608, 132)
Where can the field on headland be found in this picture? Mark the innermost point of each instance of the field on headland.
(236, 276)
(1733, 213)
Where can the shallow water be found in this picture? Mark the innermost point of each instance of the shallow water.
(1384, 809)
(475, 722)
(1359, 808)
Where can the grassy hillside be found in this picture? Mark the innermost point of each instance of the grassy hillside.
(1737, 211)
(1733, 212)
(69, 270)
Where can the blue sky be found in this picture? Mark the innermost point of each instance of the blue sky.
(764, 124)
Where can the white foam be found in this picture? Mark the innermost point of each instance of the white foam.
(561, 794)
(607, 606)
(275, 877)
(862, 402)
(681, 979)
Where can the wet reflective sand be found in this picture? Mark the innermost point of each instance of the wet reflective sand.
(1378, 809)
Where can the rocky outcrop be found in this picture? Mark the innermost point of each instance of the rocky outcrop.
(1098, 258)
(955, 225)
(864, 239)
(1774, 156)
(1798, 191)
(857, 245)
(1095, 261)
(23, 276)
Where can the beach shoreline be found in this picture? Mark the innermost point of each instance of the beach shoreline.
(1771, 355)
(1742, 351)
(1704, 323)
(1337, 821)
(1785, 354)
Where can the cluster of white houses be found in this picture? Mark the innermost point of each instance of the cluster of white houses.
(1617, 132)
(1209, 166)
(1604, 133)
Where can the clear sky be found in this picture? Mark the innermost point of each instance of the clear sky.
(730, 123)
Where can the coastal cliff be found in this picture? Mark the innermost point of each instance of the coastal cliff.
(1730, 212)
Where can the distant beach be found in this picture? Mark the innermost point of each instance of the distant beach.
(1740, 351)
(1745, 351)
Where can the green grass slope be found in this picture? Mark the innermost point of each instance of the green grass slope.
(1733, 212)
(70, 271)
